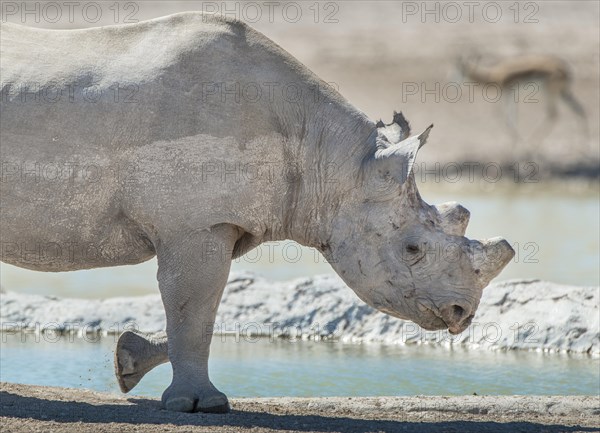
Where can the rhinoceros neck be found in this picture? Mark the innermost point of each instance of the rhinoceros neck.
(324, 150)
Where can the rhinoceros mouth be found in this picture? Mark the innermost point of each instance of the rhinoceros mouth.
(455, 329)
(434, 325)
(437, 322)
(432, 321)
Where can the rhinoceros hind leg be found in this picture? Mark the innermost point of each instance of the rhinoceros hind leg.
(136, 354)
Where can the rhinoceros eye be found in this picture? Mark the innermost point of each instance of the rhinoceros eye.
(412, 248)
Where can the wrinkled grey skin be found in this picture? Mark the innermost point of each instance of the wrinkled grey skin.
(147, 176)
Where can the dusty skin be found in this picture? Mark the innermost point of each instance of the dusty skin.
(28, 408)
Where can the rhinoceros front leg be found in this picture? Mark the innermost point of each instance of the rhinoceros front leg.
(192, 273)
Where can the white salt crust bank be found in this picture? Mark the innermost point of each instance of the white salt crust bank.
(517, 314)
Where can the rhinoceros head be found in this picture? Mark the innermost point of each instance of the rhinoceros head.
(403, 256)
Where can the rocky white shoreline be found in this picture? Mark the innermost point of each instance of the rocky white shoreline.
(516, 314)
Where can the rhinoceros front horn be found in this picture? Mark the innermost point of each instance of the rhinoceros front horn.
(491, 256)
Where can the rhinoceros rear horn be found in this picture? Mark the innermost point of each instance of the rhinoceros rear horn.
(396, 161)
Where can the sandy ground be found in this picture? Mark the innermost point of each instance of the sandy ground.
(26, 408)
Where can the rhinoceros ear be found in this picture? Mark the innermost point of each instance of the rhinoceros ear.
(396, 160)
(396, 131)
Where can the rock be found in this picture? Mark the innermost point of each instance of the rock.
(517, 314)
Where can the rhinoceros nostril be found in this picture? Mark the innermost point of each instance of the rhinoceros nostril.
(459, 314)
(455, 315)
(458, 311)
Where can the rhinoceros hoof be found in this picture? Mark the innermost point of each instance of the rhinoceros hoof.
(182, 401)
(126, 364)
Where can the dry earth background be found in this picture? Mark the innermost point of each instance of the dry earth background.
(372, 52)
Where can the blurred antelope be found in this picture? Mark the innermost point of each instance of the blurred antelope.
(551, 72)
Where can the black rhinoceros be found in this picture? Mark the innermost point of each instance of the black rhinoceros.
(194, 138)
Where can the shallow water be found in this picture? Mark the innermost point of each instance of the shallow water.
(556, 234)
(264, 368)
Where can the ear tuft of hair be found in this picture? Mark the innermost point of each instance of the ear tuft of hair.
(380, 124)
(401, 121)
